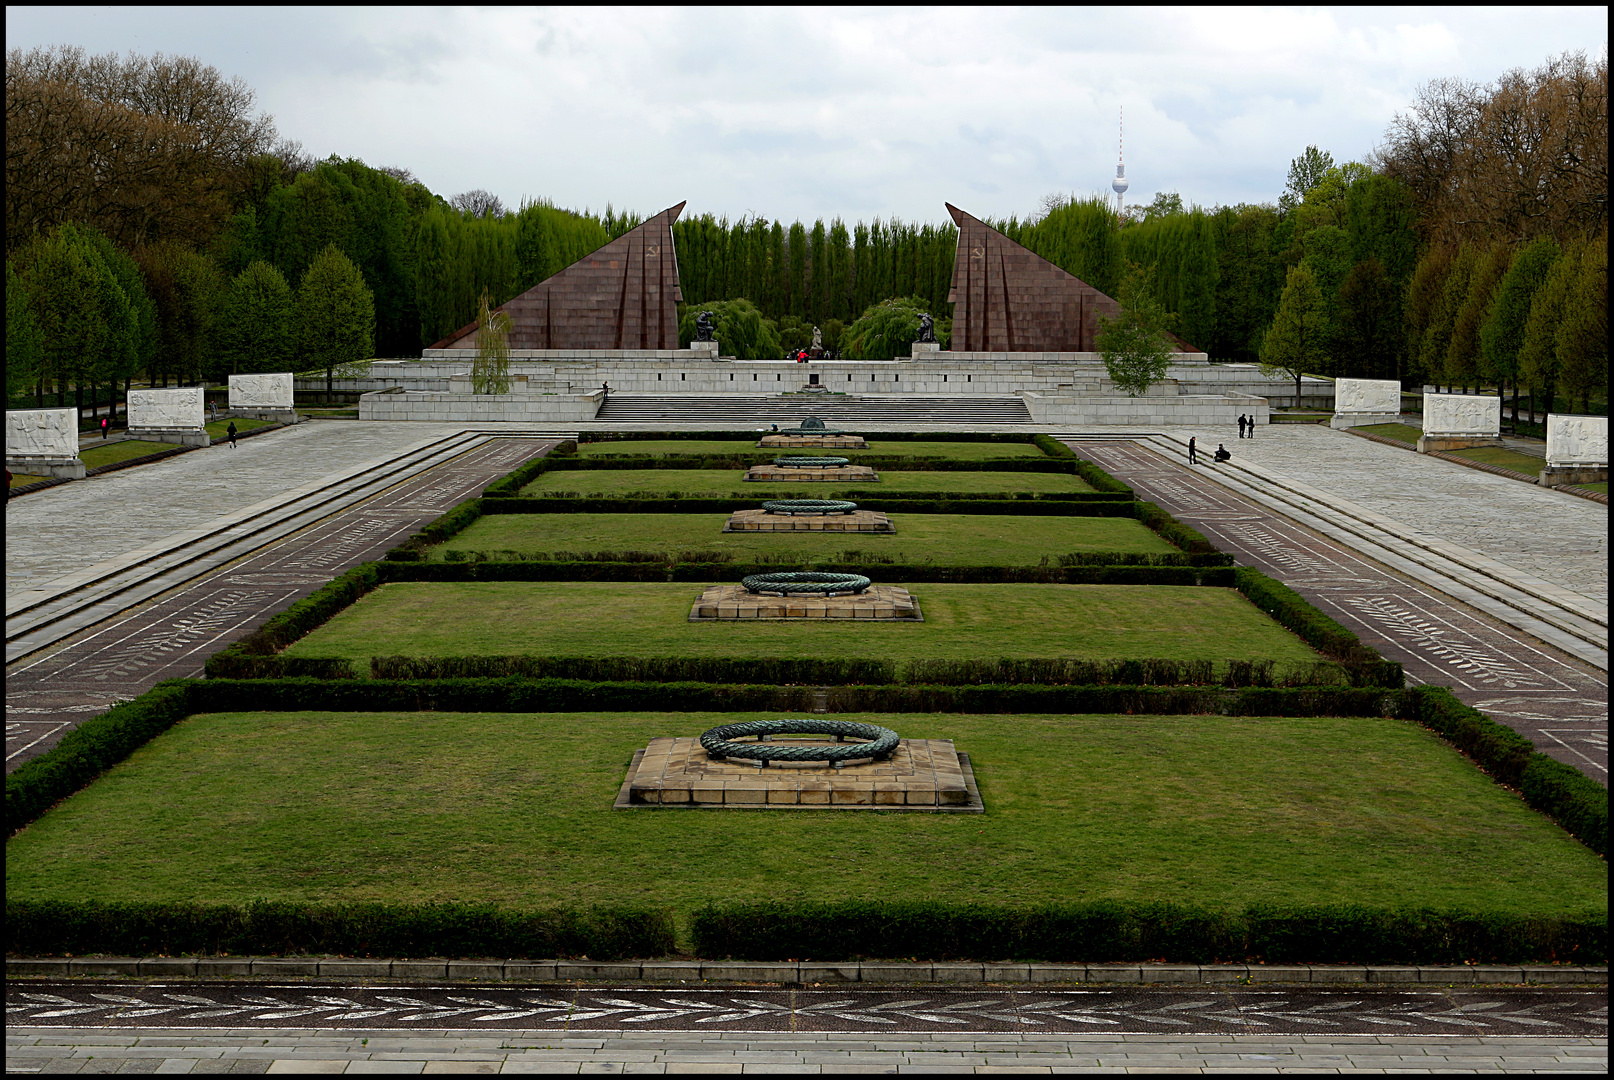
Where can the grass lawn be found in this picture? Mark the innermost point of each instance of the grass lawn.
(1501, 455)
(19, 479)
(958, 451)
(219, 428)
(515, 808)
(947, 539)
(487, 618)
(108, 453)
(1600, 488)
(725, 483)
(1402, 432)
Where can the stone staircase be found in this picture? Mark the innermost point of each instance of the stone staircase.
(834, 409)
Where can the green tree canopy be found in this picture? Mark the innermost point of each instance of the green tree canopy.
(1538, 352)
(741, 331)
(1136, 351)
(1582, 339)
(1502, 333)
(22, 337)
(335, 314)
(257, 322)
(1296, 341)
(1464, 363)
(887, 330)
(490, 371)
(1368, 324)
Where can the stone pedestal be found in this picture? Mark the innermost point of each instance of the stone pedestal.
(851, 473)
(1459, 421)
(43, 442)
(879, 602)
(263, 397)
(816, 442)
(704, 350)
(170, 416)
(1577, 450)
(1360, 402)
(925, 350)
(858, 521)
(922, 774)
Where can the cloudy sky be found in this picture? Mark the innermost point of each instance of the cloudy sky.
(807, 113)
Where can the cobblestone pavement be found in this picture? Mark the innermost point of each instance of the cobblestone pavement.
(172, 636)
(1559, 537)
(74, 526)
(1560, 703)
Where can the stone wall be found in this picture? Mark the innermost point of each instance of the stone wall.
(1150, 410)
(403, 405)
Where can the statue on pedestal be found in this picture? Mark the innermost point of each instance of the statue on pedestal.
(927, 329)
(705, 325)
(818, 340)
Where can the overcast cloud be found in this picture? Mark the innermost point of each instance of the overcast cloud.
(808, 113)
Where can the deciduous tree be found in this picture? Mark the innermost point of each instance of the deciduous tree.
(335, 314)
(1136, 351)
(1297, 340)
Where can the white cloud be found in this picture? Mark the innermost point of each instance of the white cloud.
(842, 112)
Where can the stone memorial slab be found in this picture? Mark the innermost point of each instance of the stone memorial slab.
(922, 774)
(1455, 421)
(1359, 402)
(43, 442)
(880, 602)
(858, 521)
(818, 442)
(791, 474)
(261, 391)
(1577, 450)
(174, 416)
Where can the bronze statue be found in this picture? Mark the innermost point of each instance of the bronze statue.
(927, 332)
(704, 326)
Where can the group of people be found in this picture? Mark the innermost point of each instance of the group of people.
(1246, 423)
(1222, 452)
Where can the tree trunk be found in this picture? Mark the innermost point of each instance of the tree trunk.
(78, 398)
(330, 373)
(1515, 404)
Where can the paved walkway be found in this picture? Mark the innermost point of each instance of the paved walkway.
(71, 527)
(1553, 535)
(1559, 702)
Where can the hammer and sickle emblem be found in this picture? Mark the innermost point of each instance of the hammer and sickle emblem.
(978, 253)
(653, 249)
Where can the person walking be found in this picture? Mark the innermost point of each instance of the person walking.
(1250, 426)
(1193, 453)
(106, 426)
(230, 431)
(1241, 425)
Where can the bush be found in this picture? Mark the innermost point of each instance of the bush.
(746, 459)
(1113, 931)
(1096, 478)
(447, 929)
(1179, 535)
(299, 619)
(1575, 801)
(1296, 613)
(1070, 504)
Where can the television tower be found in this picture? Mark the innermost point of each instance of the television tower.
(1120, 185)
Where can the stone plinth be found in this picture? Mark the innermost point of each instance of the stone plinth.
(878, 603)
(703, 350)
(858, 473)
(815, 442)
(43, 442)
(922, 774)
(858, 521)
(263, 397)
(1360, 402)
(1458, 421)
(1577, 450)
(171, 416)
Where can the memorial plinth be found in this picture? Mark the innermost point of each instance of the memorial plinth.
(923, 774)
(736, 602)
(264, 397)
(172, 416)
(792, 474)
(1459, 421)
(858, 521)
(1577, 450)
(1364, 402)
(818, 442)
(43, 442)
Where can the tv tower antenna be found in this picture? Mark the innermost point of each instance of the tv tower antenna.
(1120, 185)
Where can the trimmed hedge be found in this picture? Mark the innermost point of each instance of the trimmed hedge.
(1069, 504)
(273, 928)
(1179, 535)
(1574, 800)
(254, 655)
(829, 672)
(1295, 612)
(1113, 931)
(753, 436)
(645, 570)
(877, 462)
(1096, 478)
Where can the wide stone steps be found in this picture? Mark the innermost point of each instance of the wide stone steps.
(783, 409)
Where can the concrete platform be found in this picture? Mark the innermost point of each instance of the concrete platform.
(813, 442)
(858, 521)
(844, 473)
(880, 602)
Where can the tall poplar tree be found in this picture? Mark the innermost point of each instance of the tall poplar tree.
(1502, 333)
(335, 314)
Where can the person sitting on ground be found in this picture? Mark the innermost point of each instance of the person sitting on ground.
(1222, 453)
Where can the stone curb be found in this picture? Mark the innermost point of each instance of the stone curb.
(1511, 474)
(792, 972)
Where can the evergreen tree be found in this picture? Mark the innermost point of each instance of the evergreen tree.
(1582, 338)
(1538, 351)
(1368, 324)
(22, 338)
(796, 286)
(63, 287)
(1327, 256)
(1464, 363)
(1502, 332)
(1297, 340)
(257, 325)
(1136, 351)
(1424, 290)
(335, 314)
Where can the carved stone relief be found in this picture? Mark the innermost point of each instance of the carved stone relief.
(41, 433)
(1577, 440)
(1367, 396)
(178, 408)
(261, 391)
(1462, 414)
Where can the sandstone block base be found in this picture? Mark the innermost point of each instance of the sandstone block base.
(261, 412)
(923, 774)
(817, 442)
(845, 473)
(858, 521)
(1427, 443)
(61, 468)
(1350, 420)
(880, 602)
(181, 436)
(1553, 475)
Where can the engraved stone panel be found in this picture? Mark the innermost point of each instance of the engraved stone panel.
(271, 391)
(1577, 440)
(178, 408)
(623, 296)
(1462, 414)
(41, 433)
(1367, 396)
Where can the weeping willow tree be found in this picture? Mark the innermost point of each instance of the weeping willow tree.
(490, 373)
